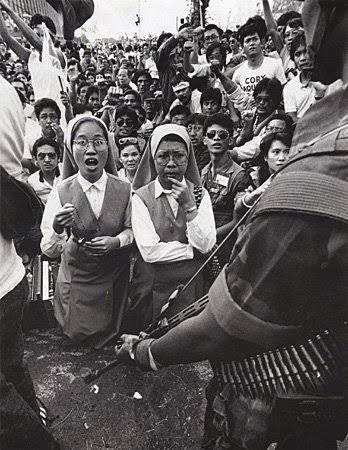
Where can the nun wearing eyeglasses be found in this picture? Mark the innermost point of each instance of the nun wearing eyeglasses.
(87, 221)
(173, 225)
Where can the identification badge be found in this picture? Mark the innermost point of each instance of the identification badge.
(221, 180)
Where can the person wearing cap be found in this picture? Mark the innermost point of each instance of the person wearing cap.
(185, 96)
(172, 225)
(285, 282)
(153, 106)
(87, 221)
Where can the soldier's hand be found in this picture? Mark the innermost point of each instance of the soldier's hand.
(125, 352)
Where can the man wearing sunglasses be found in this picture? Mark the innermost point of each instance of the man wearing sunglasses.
(222, 177)
(46, 155)
(126, 125)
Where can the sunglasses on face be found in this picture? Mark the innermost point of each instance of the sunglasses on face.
(42, 156)
(121, 122)
(222, 134)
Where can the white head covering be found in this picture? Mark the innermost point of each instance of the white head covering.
(12, 123)
(146, 171)
(69, 164)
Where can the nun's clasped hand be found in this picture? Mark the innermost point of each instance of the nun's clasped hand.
(102, 245)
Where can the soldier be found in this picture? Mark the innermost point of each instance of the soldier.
(285, 281)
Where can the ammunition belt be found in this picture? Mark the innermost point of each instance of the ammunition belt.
(310, 367)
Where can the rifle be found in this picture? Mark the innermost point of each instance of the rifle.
(161, 325)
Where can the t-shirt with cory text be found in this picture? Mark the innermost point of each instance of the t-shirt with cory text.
(247, 77)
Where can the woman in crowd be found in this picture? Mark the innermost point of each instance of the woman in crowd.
(173, 224)
(274, 154)
(129, 157)
(87, 220)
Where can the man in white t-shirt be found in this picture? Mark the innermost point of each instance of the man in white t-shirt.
(257, 66)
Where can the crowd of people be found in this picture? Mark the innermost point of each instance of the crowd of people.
(145, 154)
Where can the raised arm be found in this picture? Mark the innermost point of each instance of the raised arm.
(22, 52)
(27, 32)
(272, 26)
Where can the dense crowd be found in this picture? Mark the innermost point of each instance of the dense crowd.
(145, 154)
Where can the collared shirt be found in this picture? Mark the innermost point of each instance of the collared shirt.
(298, 96)
(200, 231)
(95, 192)
(41, 186)
(52, 244)
(224, 186)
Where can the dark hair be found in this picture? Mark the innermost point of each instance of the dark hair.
(295, 23)
(272, 86)
(46, 103)
(125, 110)
(135, 94)
(265, 145)
(284, 18)
(196, 118)
(178, 78)
(179, 109)
(80, 108)
(211, 94)
(299, 39)
(212, 47)
(289, 123)
(141, 73)
(45, 141)
(219, 119)
(163, 37)
(212, 26)
(80, 86)
(254, 25)
(74, 62)
(38, 19)
(91, 91)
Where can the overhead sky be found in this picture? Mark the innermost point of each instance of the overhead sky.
(113, 18)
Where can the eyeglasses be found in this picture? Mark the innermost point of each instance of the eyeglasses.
(127, 122)
(212, 37)
(128, 140)
(259, 99)
(179, 158)
(97, 143)
(42, 156)
(222, 134)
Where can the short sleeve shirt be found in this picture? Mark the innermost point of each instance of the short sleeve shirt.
(247, 77)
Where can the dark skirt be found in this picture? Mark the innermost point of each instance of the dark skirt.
(153, 284)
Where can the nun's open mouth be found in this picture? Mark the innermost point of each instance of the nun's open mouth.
(91, 162)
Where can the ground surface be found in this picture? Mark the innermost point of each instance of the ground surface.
(105, 415)
(168, 416)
